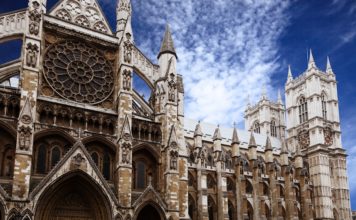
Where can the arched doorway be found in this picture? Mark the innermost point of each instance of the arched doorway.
(73, 197)
(149, 212)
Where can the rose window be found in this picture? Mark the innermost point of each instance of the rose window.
(78, 72)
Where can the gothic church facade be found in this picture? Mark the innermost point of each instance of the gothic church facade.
(77, 141)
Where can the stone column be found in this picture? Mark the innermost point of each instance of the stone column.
(29, 85)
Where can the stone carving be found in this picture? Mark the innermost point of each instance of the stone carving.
(171, 92)
(304, 139)
(328, 136)
(78, 72)
(126, 82)
(35, 18)
(174, 160)
(128, 49)
(78, 159)
(84, 13)
(126, 151)
(228, 160)
(31, 56)
(25, 138)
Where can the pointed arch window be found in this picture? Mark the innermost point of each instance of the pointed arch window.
(273, 128)
(8, 162)
(256, 128)
(140, 175)
(55, 156)
(41, 159)
(323, 106)
(95, 158)
(106, 166)
(303, 110)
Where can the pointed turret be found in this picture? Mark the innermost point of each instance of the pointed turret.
(167, 45)
(217, 135)
(123, 17)
(235, 137)
(290, 76)
(269, 150)
(198, 131)
(329, 70)
(284, 154)
(235, 143)
(311, 63)
(252, 146)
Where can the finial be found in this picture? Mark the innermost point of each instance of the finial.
(311, 63)
(329, 70)
(268, 142)
(264, 92)
(284, 148)
(167, 45)
(248, 101)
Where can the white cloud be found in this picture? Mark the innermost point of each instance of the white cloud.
(226, 49)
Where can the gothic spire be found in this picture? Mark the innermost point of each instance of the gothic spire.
(198, 131)
(252, 142)
(290, 76)
(235, 137)
(311, 63)
(217, 135)
(268, 143)
(329, 70)
(167, 45)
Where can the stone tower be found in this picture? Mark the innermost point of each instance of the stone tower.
(313, 127)
(266, 117)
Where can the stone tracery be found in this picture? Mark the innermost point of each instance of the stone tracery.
(78, 72)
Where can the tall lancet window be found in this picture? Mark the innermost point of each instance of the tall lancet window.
(303, 110)
(256, 127)
(323, 106)
(273, 128)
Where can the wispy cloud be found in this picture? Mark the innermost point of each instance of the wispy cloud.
(227, 49)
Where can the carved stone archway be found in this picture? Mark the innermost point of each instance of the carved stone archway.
(149, 211)
(74, 196)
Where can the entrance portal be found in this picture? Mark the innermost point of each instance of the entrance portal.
(149, 213)
(73, 198)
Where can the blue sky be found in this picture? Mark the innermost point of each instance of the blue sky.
(229, 49)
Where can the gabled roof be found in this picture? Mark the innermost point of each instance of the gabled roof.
(85, 13)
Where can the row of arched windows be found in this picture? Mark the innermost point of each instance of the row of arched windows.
(273, 128)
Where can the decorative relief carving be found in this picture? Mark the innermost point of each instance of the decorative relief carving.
(174, 160)
(78, 159)
(35, 18)
(25, 138)
(172, 89)
(304, 139)
(31, 55)
(128, 49)
(83, 12)
(78, 72)
(328, 136)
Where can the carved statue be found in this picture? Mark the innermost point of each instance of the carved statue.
(328, 136)
(128, 49)
(126, 149)
(126, 83)
(35, 18)
(304, 139)
(171, 92)
(174, 159)
(31, 56)
(24, 138)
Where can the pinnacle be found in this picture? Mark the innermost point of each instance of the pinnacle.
(311, 63)
(198, 131)
(252, 142)
(279, 100)
(167, 43)
(290, 76)
(217, 135)
(329, 69)
(268, 143)
(284, 148)
(235, 137)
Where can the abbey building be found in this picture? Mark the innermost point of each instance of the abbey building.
(78, 141)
